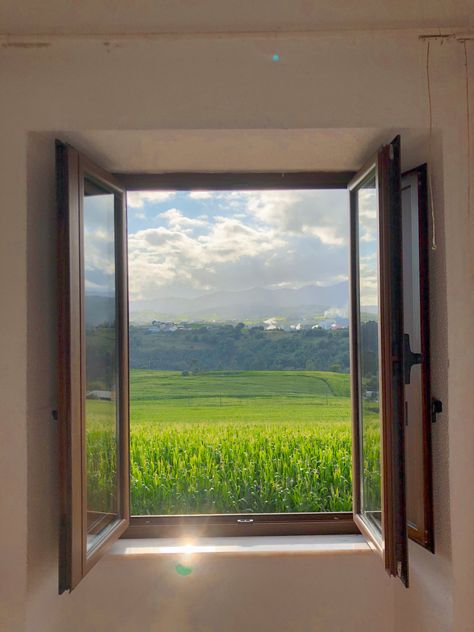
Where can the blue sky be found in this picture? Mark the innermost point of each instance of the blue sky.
(187, 244)
(190, 243)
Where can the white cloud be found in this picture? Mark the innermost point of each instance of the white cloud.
(161, 256)
(259, 239)
(137, 199)
(200, 195)
(99, 252)
(367, 212)
(176, 219)
(369, 284)
(230, 240)
(320, 213)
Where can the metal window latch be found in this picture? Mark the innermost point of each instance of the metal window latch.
(245, 520)
(436, 408)
(54, 415)
(409, 358)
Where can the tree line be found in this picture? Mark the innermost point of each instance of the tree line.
(228, 347)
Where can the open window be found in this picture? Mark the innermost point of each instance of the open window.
(93, 406)
(377, 358)
(93, 363)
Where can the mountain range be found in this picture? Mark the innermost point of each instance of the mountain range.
(244, 304)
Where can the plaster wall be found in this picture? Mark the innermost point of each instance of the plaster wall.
(60, 17)
(339, 80)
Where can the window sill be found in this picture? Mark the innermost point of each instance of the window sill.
(235, 546)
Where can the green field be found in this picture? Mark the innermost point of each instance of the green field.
(232, 442)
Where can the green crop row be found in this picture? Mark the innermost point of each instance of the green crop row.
(220, 451)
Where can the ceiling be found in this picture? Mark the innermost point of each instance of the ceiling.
(209, 16)
(242, 150)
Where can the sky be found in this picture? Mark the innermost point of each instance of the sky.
(189, 243)
(368, 247)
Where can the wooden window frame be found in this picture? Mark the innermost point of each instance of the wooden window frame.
(423, 533)
(194, 525)
(238, 181)
(392, 546)
(74, 560)
(241, 525)
(74, 563)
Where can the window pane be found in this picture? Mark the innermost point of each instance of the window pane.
(370, 421)
(101, 361)
(417, 390)
(412, 322)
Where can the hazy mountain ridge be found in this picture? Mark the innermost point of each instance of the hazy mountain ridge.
(99, 310)
(245, 304)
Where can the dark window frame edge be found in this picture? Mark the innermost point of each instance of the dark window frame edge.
(228, 525)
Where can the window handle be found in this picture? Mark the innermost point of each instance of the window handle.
(409, 358)
(436, 408)
(245, 520)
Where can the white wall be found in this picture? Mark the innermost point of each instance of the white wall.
(182, 16)
(347, 80)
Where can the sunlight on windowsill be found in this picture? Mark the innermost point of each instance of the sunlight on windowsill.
(262, 545)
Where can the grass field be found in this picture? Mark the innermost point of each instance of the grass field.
(233, 442)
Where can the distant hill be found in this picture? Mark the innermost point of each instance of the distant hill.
(245, 304)
(224, 347)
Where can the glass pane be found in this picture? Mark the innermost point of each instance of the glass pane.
(412, 324)
(370, 420)
(101, 362)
